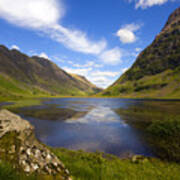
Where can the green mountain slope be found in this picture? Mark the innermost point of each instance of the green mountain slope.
(21, 75)
(87, 84)
(156, 72)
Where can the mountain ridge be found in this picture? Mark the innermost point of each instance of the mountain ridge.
(21, 75)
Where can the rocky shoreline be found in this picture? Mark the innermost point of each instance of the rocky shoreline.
(19, 146)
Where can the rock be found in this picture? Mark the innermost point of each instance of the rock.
(12, 150)
(28, 151)
(27, 169)
(48, 170)
(67, 172)
(34, 166)
(138, 159)
(22, 149)
(44, 154)
(11, 122)
(32, 156)
(48, 157)
(23, 162)
(55, 164)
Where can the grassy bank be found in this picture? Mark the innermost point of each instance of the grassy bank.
(96, 166)
(160, 123)
(88, 166)
(7, 172)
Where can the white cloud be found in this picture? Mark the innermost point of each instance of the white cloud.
(101, 81)
(32, 13)
(103, 78)
(76, 40)
(126, 34)
(124, 70)
(58, 59)
(100, 78)
(149, 3)
(44, 16)
(138, 49)
(15, 47)
(87, 64)
(112, 56)
(76, 65)
(43, 55)
(70, 62)
(105, 73)
(80, 71)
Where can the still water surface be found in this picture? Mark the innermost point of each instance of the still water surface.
(95, 127)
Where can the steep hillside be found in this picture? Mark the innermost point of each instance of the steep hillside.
(87, 84)
(156, 72)
(21, 75)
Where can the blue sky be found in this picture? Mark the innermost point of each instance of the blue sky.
(99, 39)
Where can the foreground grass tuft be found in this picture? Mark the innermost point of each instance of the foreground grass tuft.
(96, 166)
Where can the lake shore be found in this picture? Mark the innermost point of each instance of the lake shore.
(162, 136)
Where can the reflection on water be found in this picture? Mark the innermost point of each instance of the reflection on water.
(99, 129)
(98, 115)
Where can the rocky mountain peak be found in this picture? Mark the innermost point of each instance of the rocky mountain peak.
(173, 20)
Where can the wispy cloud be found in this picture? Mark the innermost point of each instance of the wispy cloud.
(33, 14)
(104, 78)
(100, 78)
(112, 56)
(79, 71)
(76, 40)
(58, 59)
(87, 64)
(148, 3)
(101, 81)
(138, 49)
(105, 73)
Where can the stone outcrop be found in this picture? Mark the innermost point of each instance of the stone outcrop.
(19, 146)
(11, 122)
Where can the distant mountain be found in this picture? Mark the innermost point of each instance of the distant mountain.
(86, 83)
(156, 72)
(21, 75)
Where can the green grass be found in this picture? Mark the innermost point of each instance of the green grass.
(25, 102)
(9, 160)
(161, 130)
(160, 123)
(97, 166)
(164, 136)
(164, 85)
(12, 89)
(7, 172)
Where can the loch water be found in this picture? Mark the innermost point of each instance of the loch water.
(94, 127)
